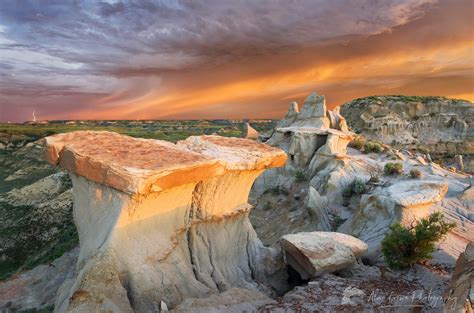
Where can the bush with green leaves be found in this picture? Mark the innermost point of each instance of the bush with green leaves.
(393, 168)
(300, 176)
(371, 146)
(358, 142)
(415, 173)
(356, 187)
(402, 247)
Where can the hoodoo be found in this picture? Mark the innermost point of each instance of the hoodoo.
(159, 221)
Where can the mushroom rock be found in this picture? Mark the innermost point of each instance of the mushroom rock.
(311, 138)
(316, 253)
(250, 132)
(313, 113)
(402, 202)
(290, 115)
(459, 297)
(160, 222)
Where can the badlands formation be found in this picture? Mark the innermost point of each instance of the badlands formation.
(214, 224)
(160, 223)
(439, 126)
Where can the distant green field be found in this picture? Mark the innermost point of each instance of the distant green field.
(164, 130)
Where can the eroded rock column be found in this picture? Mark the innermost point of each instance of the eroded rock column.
(158, 221)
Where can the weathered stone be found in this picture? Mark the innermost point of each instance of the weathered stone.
(290, 115)
(158, 221)
(313, 113)
(316, 253)
(459, 297)
(250, 132)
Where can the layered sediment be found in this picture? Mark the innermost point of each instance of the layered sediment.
(160, 222)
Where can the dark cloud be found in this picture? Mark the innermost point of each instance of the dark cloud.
(83, 57)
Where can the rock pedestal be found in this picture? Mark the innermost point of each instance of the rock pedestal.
(159, 221)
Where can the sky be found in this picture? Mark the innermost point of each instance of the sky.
(211, 59)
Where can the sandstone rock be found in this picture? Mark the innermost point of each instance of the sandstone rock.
(250, 132)
(337, 121)
(290, 116)
(315, 253)
(159, 221)
(317, 206)
(313, 113)
(459, 297)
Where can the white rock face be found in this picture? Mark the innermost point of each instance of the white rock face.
(313, 112)
(161, 222)
(316, 253)
(290, 115)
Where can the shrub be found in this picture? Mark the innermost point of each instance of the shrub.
(300, 176)
(415, 173)
(359, 187)
(404, 246)
(371, 146)
(278, 190)
(393, 168)
(356, 187)
(336, 221)
(358, 142)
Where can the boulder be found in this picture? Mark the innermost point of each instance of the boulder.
(313, 254)
(459, 297)
(160, 222)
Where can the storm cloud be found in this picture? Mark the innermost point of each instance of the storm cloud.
(211, 59)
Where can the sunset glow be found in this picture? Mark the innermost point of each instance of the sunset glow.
(80, 63)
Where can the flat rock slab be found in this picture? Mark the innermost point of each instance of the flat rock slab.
(417, 193)
(135, 165)
(313, 254)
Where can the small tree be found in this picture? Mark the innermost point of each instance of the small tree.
(404, 246)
